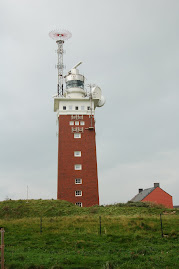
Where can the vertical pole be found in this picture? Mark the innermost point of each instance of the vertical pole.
(91, 104)
(27, 193)
(40, 224)
(58, 52)
(161, 224)
(100, 225)
(2, 248)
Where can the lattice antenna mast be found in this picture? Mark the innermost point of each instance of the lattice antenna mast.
(60, 36)
(60, 66)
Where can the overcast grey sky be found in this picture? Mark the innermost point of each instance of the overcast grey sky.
(130, 48)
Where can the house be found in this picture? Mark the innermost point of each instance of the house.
(154, 195)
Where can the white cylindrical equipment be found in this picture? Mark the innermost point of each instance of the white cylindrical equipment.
(74, 84)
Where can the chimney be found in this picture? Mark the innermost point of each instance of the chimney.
(156, 185)
(140, 190)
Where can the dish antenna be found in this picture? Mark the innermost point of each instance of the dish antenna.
(60, 36)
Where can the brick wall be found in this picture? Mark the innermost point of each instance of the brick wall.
(159, 196)
(67, 144)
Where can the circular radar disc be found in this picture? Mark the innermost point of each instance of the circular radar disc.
(60, 34)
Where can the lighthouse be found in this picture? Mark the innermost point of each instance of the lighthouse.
(77, 179)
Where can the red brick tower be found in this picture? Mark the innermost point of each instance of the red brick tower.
(77, 164)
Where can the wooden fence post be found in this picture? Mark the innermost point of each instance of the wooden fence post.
(161, 224)
(40, 224)
(2, 248)
(100, 225)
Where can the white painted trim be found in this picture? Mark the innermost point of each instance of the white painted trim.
(78, 134)
(76, 153)
(76, 165)
(79, 182)
(79, 203)
(78, 194)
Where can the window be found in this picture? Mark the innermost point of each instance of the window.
(76, 107)
(88, 107)
(82, 107)
(77, 153)
(76, 122)
(78, 204)
(75, 84)
(71, 122)
(82, 123)
(78, 181)
(78, 167)
(64, 107)
(78, 193)
(77, 135)
(70, 107)
(76, 117)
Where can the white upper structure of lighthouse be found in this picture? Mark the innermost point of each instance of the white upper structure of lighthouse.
(74, 99)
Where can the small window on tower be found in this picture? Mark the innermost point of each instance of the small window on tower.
(78, 167)
(76, 107)
(82, 107)
(70, 107)
(64, 107)
(77, 153)
(82, 123)
(88, 107)
(78, 181)
(78, 193)
(78, 204)
(76, 122)
(77, 135)
(71, 122)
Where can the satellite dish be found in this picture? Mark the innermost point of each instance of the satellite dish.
(102, 101)
(96, 92)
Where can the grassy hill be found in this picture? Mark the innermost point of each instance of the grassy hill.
(56, 234)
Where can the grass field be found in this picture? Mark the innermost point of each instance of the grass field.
(56, 234)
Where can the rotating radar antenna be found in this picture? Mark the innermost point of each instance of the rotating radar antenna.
(60, 36)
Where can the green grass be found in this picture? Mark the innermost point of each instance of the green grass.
(131, 236)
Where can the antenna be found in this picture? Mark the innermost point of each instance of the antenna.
(60, 36)
(74, 67)
(27, 194)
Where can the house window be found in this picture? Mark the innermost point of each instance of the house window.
(64, 107)
(70, 107)
(78, 193)
(77, 135)
(88, 107)
(76, 107)
(78, 204)
(76, 122)
(78, 181)
(82, 123)
(78, 167)
(82, 107)
(77, 153)
(71, 122)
